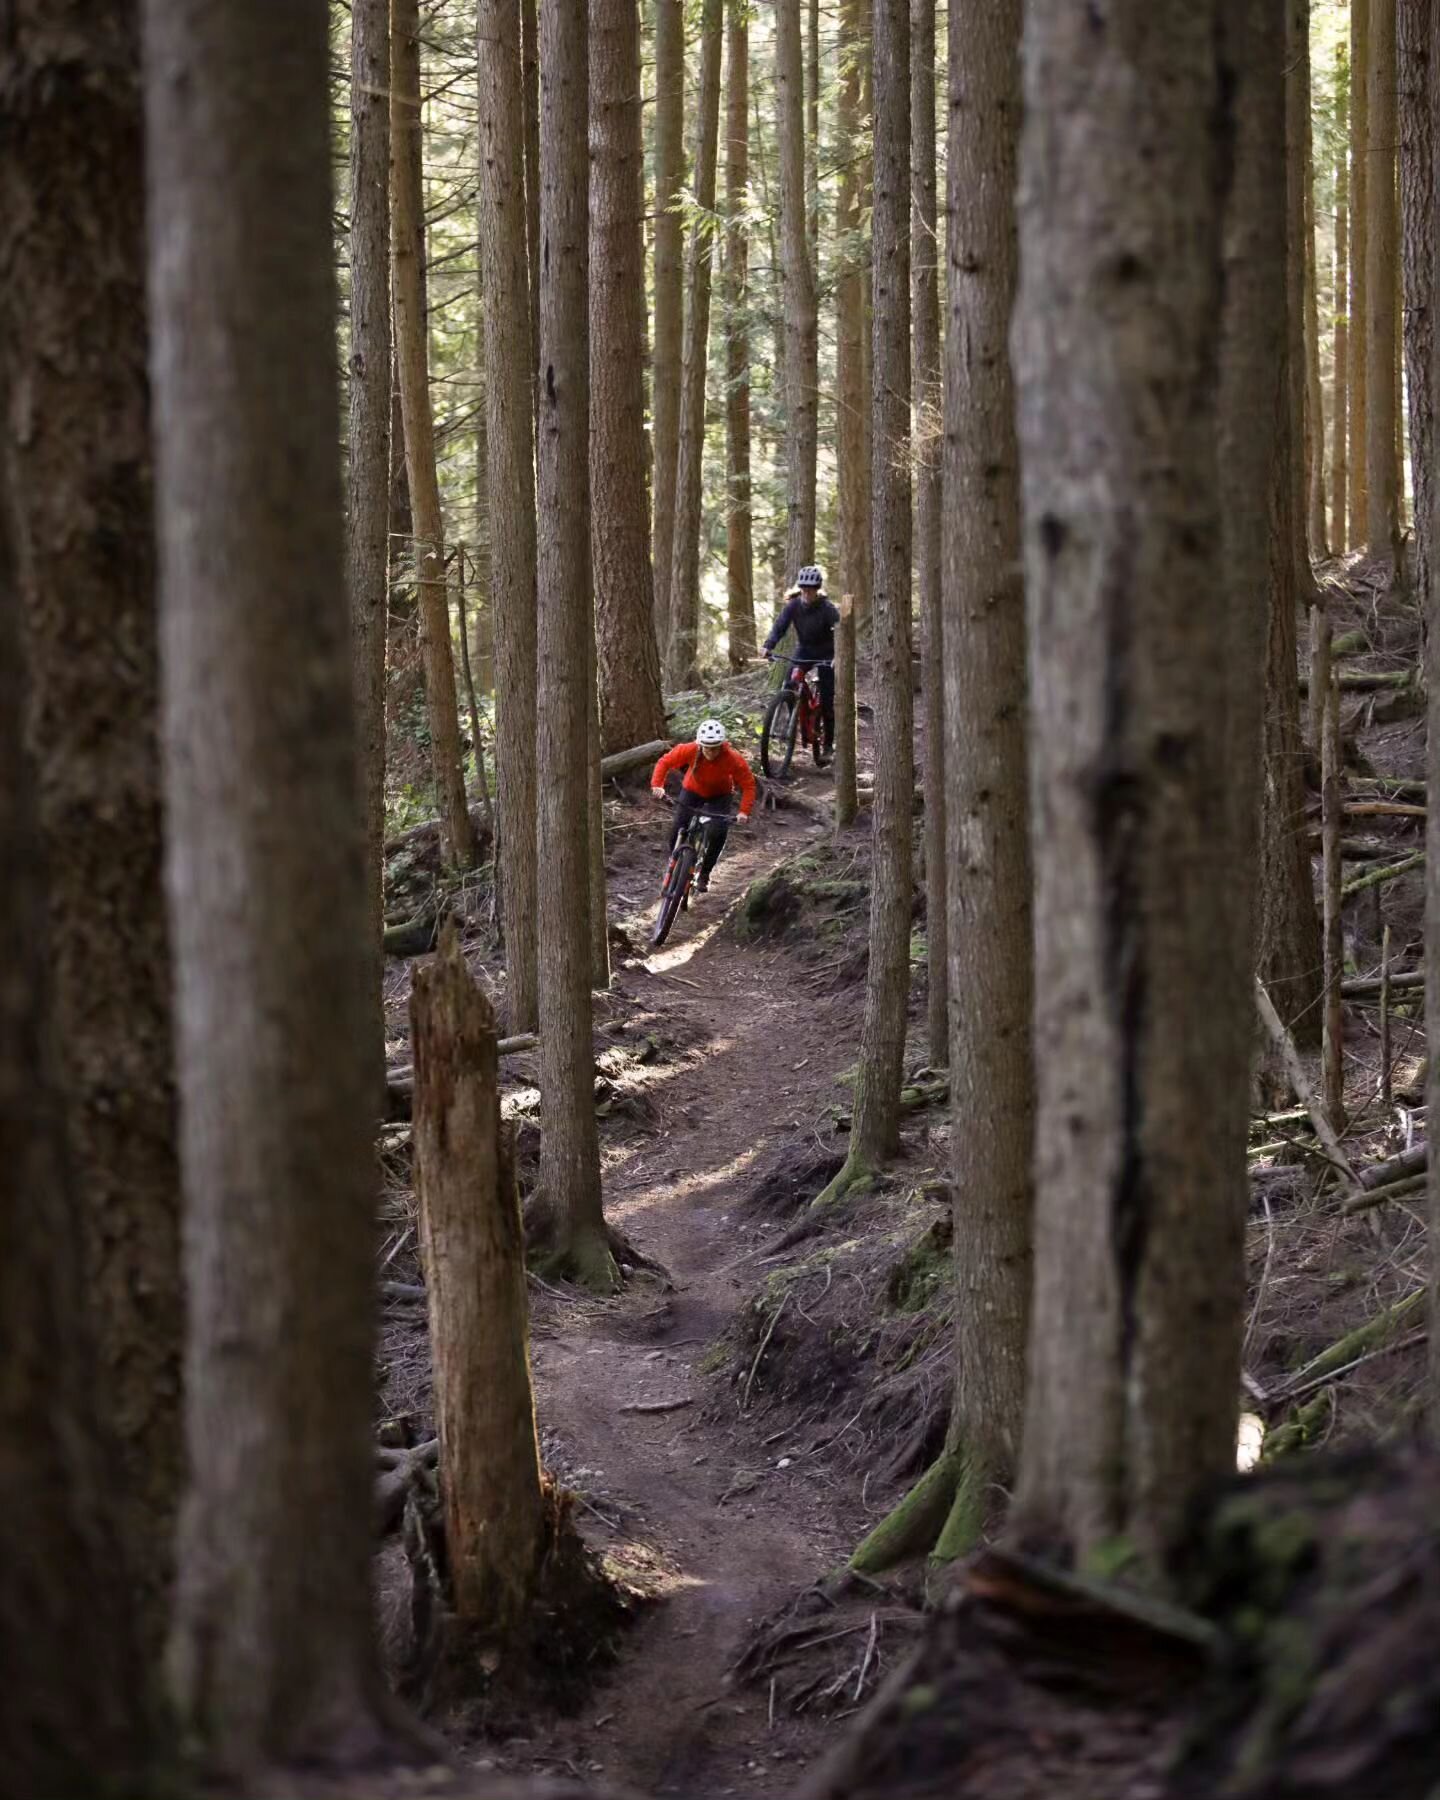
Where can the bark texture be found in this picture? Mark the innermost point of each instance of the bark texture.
(73, 344)
(530, 101)
(632, 709)
(801, 326)
(682, 647)
(1138, 1247)
(367, 545)
(1297, 138)
(413, 363)
(739, 547)
(510, 471)
(929, 487)
(1317, 531)
(496, 1516)
(847, 799)
(1340, 421)
(272, 1654)
(71, 1714)
(876, 1132)
(1415, 26)
(852, 402)
(1359, 260)
(669, 292)
(984, 763)
(569, 1151)
(1382, 511)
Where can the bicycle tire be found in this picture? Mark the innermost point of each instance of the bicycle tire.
(675, 891)
(777, 735)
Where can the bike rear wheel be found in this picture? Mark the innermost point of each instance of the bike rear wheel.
(676, 888)
(777, 735)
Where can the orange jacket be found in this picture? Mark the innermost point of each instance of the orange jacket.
(709, 778)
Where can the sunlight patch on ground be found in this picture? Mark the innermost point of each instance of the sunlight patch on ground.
(680, 954)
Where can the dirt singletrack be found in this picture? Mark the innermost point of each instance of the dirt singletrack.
(727, 1517)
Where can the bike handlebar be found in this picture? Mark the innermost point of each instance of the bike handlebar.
(801, 662)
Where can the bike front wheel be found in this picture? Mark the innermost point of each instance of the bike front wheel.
(777, 736)
(676, 888)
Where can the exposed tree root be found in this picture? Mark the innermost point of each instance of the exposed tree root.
(857, 1177)
(914, 1526)
(599, 1259)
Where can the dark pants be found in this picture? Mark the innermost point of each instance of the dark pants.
(826, 674)
(715, 835)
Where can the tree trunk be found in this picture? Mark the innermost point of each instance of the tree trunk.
(984, 770)
(1297, 137)
(1333, 1054)
(569, 1151)
(72, 1713)
(1340, 425)
(739, 550)
(669, 293)
(510, 472)
(496, 1517)
(1416, 24)
(1382, 513)
(367, 544)
(929, 487)
(852, 404)
(1314, 401)
(408, 252)
(272, 1655)
(530, 101)
(1138, 1246)
(682, 647)
(801, 328)
(847, 799)
(1359, 260)
(631, 705)
(875, 1135)
(812, 130)
(74, 346)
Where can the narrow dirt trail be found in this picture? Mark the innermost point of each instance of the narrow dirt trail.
(729, 1517)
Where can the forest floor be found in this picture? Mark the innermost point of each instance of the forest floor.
(807, 1353)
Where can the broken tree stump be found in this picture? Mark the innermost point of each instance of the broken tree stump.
(498, 1514)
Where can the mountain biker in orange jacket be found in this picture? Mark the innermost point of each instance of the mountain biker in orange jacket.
(713, 774)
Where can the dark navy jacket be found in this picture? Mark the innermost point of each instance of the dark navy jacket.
(814, 628)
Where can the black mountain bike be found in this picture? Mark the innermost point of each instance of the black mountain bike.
(793, 717)
(680, 875)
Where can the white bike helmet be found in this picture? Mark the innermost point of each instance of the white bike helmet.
(711, 732)
(811, 576)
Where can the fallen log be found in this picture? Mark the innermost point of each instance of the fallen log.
(1376, 877)
(1360, 985)
(620, 762)
(1383, 809)
(1368, 680)
(400, 1081)
(1394, 1190)
(1408, 1162)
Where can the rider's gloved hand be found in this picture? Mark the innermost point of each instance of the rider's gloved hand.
(659, 793)
(742, 818)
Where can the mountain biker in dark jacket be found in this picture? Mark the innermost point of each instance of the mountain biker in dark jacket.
(813, 618)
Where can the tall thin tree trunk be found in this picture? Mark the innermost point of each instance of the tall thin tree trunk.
(682, 647)
(1359, 261)
(73, 357)
(408, 254)
(569, 1150)
(510, 470)
(72, 1712)
(1297, 138)
(1382, 514)
(367, 563)
(1314, 400)
(801, 329)
(632, 709)
(987, 824)
(929, 486)
(530, 92)
(1138, 1244)
(875, 1135)
(669, 294)
(852, 403)
(1340, 425)
(812, 129)
(273, 1649)
(1416, 21)
(739, 548)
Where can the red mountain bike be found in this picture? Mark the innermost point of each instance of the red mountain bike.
(792, 717)
(680, 875)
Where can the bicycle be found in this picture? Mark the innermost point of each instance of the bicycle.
(680, 875)
(792, 717)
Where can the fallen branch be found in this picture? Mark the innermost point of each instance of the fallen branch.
(1394, 1168)
(769, 1333)
(620, 762)
(1375, 877)
(1364, 680)
(1367, 1198)
(1360, 986)
(1383, 809)
(1369, 1336)
(656, 1406)
(1299, 1081)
